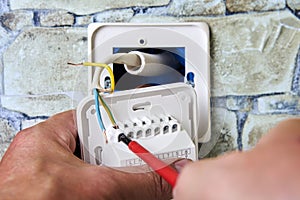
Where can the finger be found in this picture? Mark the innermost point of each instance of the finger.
(144, 186)
(155, 186)
(63, 127)
(285, 131)
(187, 183)
(138, 182)
(198, 179)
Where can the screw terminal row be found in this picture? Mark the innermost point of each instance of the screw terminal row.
(149, 126)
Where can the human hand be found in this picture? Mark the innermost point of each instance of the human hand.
(269, 171)
(39, 164)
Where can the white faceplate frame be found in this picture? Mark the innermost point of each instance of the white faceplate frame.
(194, 37)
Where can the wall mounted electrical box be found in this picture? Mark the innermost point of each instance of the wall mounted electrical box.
(162, 95)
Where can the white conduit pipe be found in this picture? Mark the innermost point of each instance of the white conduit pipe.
(152, 64)
(140, 64)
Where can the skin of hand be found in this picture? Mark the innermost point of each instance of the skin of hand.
(268, 171)
(39, 164)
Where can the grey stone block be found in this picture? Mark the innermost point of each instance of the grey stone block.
(83, 20)
(3, 6)
(36, 63)
(223, 134)
(3, 148)
(83, 7)
(16, 20)
(250, 5)
(7, 133)
(153, 19)
(236, 103)
(257, 126)
(123, 15)
(296, 79)
(294, 4)
(279, 104)
(196, 7)
(45, 105)
(5, 39)
(56, 18)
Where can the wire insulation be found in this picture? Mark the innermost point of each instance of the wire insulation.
(97, 107)
(98, 73)
(97, 95)
(108, 111)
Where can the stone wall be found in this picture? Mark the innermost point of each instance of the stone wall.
(255, 60)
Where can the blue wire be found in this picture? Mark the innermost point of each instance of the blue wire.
(98, 110)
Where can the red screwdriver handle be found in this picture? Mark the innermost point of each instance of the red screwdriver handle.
(161, 168)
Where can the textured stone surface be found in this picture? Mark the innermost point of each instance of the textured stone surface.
(3, 6)
(294, 4)
(253, 54)
(279, 103)
(224, 134)
(153, 19)
(123, 15)
(196, 7)
(296, 80)
(56, 18)
(30, 123)
(46, 105)
(7, 133)
(243, 104)
(5, 39)
(83, 20)
(41, 67)
(1, 81)
(83, 7)
(258, 125)
(16, 20)
(250, 5)
(3, 148)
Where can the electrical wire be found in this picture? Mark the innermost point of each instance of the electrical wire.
(107, 67)
(112, 88)
(98, 112)
(108, 111)
(97, 74)
(97, 89)
(96, 94)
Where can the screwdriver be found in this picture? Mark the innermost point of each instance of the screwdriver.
(165, 171)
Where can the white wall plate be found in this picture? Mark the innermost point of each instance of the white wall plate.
(183, 95)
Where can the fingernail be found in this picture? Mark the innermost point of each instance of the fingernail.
(180, 164)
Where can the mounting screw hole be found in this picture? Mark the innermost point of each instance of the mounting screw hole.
(142, 41)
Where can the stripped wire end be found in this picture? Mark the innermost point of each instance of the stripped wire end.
(102, 90)
(75, 64)
(115, 126)
(105, 137)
